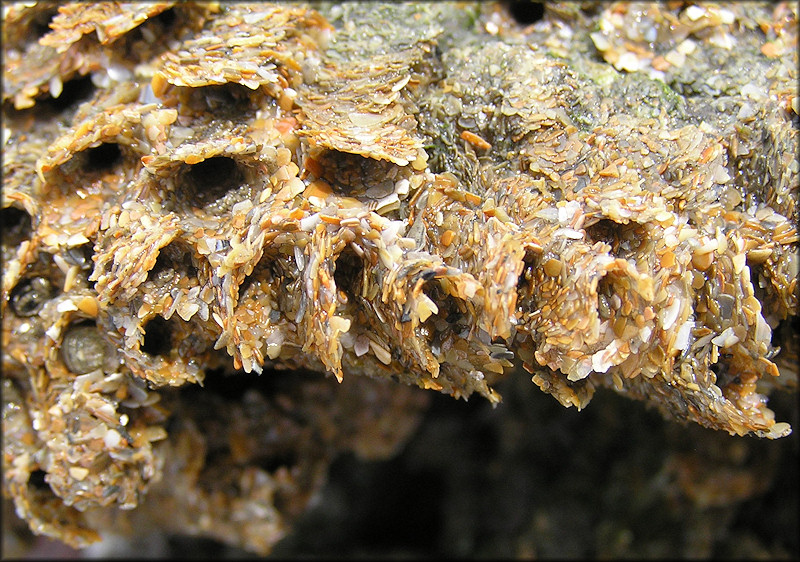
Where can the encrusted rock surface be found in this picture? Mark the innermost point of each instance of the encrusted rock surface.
(239, 239)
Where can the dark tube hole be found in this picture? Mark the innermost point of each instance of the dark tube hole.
(16, 226)
(37, 480)
(624, 239)
(526, 281)
(172, 258)
(247, 282)
(166, 18)
(163, 269)
(349, 272)
(526, 13)
(40, 24)
(157, 337)
(227, 99)
(354, 174)
(103, 157)
(273, 462)
(72, 92)
(211, 179)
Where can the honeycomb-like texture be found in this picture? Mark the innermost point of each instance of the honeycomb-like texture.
(196, 193)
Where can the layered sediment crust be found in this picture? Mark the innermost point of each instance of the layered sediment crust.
(426, 194)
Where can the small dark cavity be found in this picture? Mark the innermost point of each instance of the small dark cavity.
(525, 282)
(450, 310)
(274, 461)
(29, 296)
(40, 24)
(157, 337)
(719, 369)
(453, 316)
(16, 226)
(172, 258)
(783, 334)
(348, 272)
(210, 180)
(265, 270)
(352, 174)
(526, 13)
(102, 158)
(223, 99)
(162, 268)
(167, 18)
(605, 230)
(37, 480)
(247, 282)
(725, 375)
(73, 92)
(624, 239)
